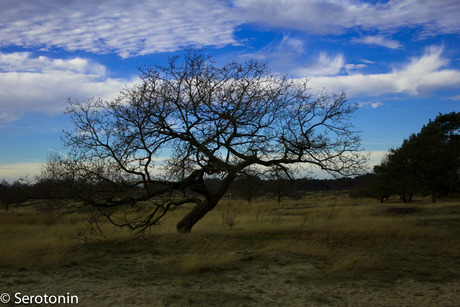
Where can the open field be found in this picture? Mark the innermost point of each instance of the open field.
(323, 250)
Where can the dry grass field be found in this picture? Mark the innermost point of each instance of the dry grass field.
(323, 250)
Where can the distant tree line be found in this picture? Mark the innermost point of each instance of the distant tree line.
(22, 190)
(278, 189)
(246, 188)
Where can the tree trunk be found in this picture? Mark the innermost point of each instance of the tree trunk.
(433, 194)
(403, 197)
(203, 207)
(200, 210)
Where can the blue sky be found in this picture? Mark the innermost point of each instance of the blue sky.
(399, 60)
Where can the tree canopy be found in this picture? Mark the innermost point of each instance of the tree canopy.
(427, 162)
(156, 145)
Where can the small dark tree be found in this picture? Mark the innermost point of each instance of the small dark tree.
(5, 191)
(280, 182)
(396, 175)
(248, 186)
(15, 193)
(157, 145)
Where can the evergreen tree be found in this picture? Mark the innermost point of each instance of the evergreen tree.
(427, 162)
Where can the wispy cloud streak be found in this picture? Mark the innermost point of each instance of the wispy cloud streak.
(421, 76)
(379, 40)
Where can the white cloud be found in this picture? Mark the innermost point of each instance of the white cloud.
(379, 40)
(376, 158)
(324, 66)
(367, 61)
(25, 62)
(127, 28)
(312, 16)
(334, 16)
(282, 54)
(455, 98)
(352, 67)
(373, 105)
(421, 76)
(283, 50)
(43, 84)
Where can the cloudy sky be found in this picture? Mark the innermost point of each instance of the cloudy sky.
(399, 60)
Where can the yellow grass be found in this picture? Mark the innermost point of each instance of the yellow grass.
(28, 238)
(321, 239)
(24, 230)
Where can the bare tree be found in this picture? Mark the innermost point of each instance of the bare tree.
(157, 145)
